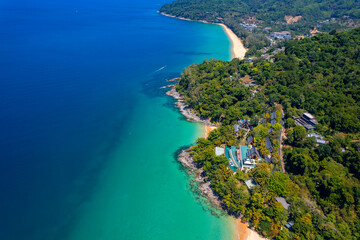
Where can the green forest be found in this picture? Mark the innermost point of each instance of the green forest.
(267, 11)
(326, 14)
(320, 75)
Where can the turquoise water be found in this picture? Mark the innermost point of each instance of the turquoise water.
(144, 193)
(88, 139)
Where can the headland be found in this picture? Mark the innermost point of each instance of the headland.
(242, 230)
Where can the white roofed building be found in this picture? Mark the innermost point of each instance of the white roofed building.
(219, 151)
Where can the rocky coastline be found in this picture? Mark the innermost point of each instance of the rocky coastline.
(243, 230)
(206, 191)
(185, 157)
(185, 109)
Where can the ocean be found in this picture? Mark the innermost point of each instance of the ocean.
(88, 138)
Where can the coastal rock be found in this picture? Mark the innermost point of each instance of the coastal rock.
(174, 79)
(187, 161)
(185, 157)
(185, 109)
(207, 192)
(167, 86)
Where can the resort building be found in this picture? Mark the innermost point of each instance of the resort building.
(251, 183)
(289, 225)
(268, 144)
(273, 122)
(281, 35)
(250, 84)
(308, 121)
(249, 60)
(271, 130)
(249, 26)
(252, 153)
(219, 151)
(273, 116)
(231, 154)
(250, 139)
(318, 138)
(283, 202)
(242, 124)
(242, 157)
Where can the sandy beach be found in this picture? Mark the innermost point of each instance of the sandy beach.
(208, 129)
(245, 233)
(238, 49)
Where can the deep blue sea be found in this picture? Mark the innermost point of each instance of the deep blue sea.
(87, 137)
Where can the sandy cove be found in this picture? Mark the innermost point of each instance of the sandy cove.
(238, 49)
(243, 232)
(208, 129)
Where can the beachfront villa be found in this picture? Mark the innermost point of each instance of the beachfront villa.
(242, 157)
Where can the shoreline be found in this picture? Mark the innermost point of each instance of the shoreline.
(237, 47)
(208, 130)
(245, 233)
(185, 109)
(242, 230)
(185, 157)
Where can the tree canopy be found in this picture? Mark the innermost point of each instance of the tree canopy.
(320, 75)
(325, 14)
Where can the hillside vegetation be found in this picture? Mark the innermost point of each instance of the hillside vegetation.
(320, 75)
(269, 10)
(323, 14)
